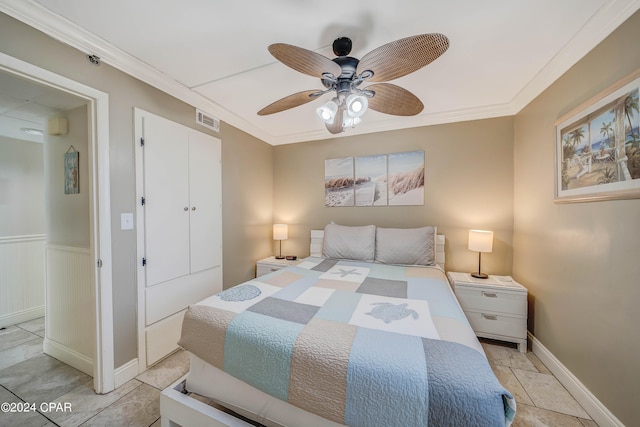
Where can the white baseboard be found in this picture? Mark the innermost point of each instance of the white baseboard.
(589, 402)
(126, 372)
(21, 316)
(68, 356)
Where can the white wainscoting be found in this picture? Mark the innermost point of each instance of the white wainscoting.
(69, 320)
(21, 278)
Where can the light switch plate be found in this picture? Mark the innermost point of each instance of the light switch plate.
(126, 221)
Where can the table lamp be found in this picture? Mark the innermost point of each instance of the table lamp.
(280, 232)
(480, 241)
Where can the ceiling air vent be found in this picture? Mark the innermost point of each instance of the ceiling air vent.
(207, 120)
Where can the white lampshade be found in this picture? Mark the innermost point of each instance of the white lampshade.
(480, 240)
(280, 231)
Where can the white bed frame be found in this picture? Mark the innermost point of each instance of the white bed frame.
(179, 409)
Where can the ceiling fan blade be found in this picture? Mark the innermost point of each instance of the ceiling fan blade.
(287, 102)
(336, 126)
(392, 99)
(304, 61)
(404, 56)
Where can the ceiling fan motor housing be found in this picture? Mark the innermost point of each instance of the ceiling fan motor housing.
(348, 64)
(344, 83)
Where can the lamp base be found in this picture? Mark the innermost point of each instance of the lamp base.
(480, 275)
(280, 256)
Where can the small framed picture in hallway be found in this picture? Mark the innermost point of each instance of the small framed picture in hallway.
(71, 177)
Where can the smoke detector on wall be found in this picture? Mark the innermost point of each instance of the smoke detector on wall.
(207, 120)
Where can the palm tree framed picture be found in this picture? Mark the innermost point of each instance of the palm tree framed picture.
(598, 147)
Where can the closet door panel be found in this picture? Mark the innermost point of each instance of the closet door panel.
(206, 199)
(166, 209)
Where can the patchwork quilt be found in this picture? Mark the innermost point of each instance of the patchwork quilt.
(361, 344)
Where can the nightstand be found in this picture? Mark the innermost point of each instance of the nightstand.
(496, 307)
(267, 265)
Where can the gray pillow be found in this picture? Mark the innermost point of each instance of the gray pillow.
(406, 246)
(345, 242)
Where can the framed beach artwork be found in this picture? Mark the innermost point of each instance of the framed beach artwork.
(376, 180)
(598, 147)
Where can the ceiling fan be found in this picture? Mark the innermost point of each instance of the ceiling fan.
(344, 74)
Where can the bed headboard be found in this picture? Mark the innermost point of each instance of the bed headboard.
(315, 248)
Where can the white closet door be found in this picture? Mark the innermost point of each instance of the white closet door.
(206, 199)
(166, 191)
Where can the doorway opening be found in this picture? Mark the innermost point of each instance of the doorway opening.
(97, 255)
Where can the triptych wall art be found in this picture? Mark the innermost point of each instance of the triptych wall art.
(395, 179)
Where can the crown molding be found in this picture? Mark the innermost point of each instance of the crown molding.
(399, 123)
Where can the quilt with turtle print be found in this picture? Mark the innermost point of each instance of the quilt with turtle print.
(361, 344)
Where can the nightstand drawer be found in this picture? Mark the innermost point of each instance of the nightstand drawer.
(271, 264)
(266, 269)
(501, 301)
(497, 324)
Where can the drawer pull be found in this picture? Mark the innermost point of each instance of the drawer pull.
(489, 316)
(490, 294)
(274, 269)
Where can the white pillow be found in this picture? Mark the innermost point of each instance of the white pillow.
(345, 242)
(406, 246)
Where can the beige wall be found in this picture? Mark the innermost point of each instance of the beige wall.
(68, 215)
(468, 184)
(581, 261)
(247, 204)
(125, 93)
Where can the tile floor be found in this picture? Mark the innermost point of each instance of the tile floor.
(541, 399)
(26, 374)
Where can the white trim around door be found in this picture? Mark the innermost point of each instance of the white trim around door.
(100, 200)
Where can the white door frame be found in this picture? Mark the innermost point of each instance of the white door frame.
(100, 208)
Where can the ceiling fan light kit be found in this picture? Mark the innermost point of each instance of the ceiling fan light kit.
(356, 105)
(350, 122)
(328, 111)
(344, 74)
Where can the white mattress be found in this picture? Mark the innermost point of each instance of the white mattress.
(209, 381)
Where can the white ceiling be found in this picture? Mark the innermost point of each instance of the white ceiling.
(213, 54)
(28, 105)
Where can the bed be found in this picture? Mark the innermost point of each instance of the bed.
(364, 332)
